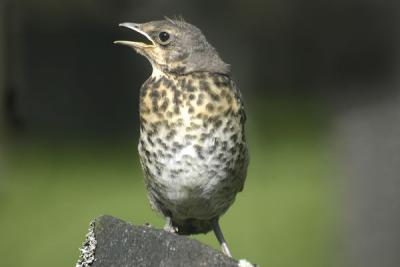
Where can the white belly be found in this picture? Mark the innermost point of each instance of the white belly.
(190, 181)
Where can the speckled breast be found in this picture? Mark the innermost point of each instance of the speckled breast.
(192, 145)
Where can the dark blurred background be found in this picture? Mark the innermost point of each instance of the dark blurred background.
(320, 81)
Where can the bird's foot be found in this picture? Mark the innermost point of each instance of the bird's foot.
(225, 250)
(168, 227)
(171, 229)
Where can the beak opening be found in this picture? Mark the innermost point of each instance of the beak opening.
(136, 27)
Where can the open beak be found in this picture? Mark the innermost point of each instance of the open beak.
(136, 27)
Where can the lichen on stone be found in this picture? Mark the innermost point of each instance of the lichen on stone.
(88, 248)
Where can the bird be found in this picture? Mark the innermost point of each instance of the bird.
(192, 144)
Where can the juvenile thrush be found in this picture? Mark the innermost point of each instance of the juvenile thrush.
(192, 144)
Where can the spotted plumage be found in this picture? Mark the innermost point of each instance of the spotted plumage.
(200, 160)
(192, 144)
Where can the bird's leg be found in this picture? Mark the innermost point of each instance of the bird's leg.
(168, 225)
(220, 237)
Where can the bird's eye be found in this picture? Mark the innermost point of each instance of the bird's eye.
(164, 37)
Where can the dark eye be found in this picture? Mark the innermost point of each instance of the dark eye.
(164, 37)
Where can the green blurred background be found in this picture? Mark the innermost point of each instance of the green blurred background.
(69, 124)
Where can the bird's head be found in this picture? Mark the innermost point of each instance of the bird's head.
(175, 46)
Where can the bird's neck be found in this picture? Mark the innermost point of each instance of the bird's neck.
(158, 71)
